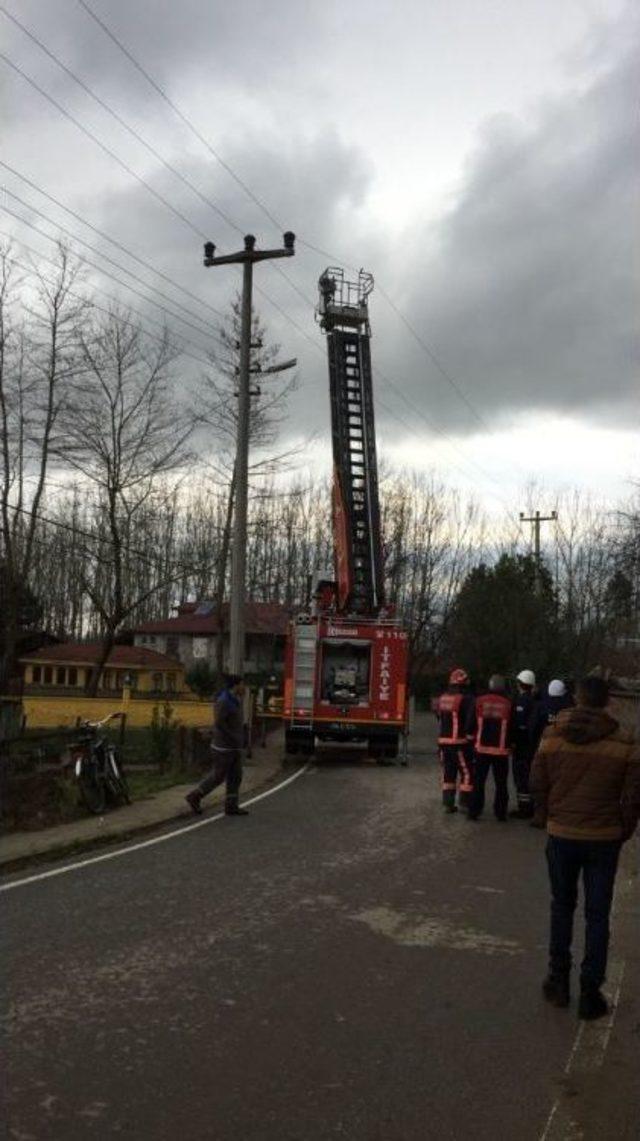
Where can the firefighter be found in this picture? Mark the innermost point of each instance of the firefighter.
(491, 725)
(454, 711)
(557, 698)
(525, 719)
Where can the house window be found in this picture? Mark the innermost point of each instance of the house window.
(171, 682)
(172, 645)
(61, 675)
(48, 675)
(36, 674)
(157, 681)
(152, 639)
(73, 676)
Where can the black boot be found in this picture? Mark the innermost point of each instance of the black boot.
(592, 1004)
(555, 989)
(193, 800)
(235, 810)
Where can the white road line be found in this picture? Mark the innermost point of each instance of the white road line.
(146, 843)
(590, 1046)
(587, 1055)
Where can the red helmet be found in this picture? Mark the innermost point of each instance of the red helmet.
(458, 677)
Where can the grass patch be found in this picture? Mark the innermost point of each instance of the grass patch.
(143, 784)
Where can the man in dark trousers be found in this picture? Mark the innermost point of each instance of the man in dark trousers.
(454, 710)
(226, 745)
(586, 782)
(490, 725)
(526, 714)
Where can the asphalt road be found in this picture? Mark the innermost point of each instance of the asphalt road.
(345, 962)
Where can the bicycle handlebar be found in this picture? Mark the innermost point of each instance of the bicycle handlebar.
(98, 724)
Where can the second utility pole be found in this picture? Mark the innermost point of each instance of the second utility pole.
(246, 258)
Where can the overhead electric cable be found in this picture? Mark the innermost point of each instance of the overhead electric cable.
(119, 119)
(176, 110)
(107, 237)
(444, 373)
(85, 130)
(150, 300)
(100, 308)
(111, 277)
(143, 556)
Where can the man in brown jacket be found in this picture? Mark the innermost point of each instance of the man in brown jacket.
(586, 783)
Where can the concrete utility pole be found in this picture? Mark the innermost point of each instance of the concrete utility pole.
(537, 520)
(245, 258)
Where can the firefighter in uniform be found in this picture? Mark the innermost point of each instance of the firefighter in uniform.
(525, 719)
(491, 725)
(454, 711)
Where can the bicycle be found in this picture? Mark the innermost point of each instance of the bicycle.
(97, 767)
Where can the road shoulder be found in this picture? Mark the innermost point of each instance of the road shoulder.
(20, 849)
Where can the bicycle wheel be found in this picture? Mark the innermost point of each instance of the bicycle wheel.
(92, 787)
(115, 779)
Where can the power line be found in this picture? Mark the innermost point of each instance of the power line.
(198, 135)
(112, 277)
(176, 110)
(80, 241)
(114, 242)
(211, 204)
(434, 359)
(94, 138)
(143, 556)
(94, 304)
(444, 373)
(119, 119)
(434, 428)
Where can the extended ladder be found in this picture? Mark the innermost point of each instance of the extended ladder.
(344, 315)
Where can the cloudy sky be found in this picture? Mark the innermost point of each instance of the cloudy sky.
(477, 158)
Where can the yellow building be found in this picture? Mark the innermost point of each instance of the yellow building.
(66, 668)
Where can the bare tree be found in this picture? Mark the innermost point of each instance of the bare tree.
(124, 433)
(39, 324)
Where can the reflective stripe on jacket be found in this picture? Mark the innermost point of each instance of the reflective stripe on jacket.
(492, 725)
(454, 709)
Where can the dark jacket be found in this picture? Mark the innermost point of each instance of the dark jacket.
(228, 725)
(546, 713)
(525, 717)
(585, 777)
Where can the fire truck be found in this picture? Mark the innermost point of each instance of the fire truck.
(346, 659)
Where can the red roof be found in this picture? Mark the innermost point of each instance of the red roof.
(88, 653)
(261, 618)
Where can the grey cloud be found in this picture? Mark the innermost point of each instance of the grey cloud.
(526, 289)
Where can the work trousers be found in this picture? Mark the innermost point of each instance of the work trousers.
(227, 767)
(483, 763)
(598, 862)
(457, 774)
(522, 758)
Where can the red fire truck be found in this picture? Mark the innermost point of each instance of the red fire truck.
(347, 658)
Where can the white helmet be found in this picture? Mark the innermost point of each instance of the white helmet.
(557, 688)
(527, 677)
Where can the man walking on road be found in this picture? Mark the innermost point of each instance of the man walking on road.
(454, 711)
(226, 745)
(586, 782)
(491, 727)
